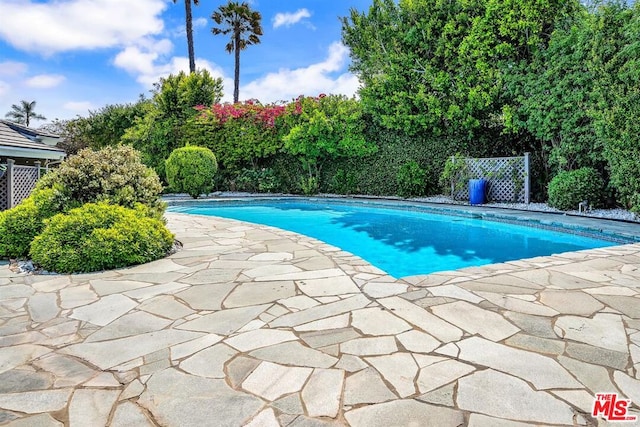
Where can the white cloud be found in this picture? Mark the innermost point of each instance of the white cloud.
(45, 81)
(80, 107)
(65, 25)
(200, 23)
(287, 84)
(181, 30)
(288, 19)
(12, 68)
(4, 88)
(150, 61)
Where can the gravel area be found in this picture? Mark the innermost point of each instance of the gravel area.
(617, 214)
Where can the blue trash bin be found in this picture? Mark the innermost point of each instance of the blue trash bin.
(477, 188)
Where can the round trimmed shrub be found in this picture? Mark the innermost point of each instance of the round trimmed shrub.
(568, 189)
(19, 225)
(114, 173)
(99, 236)
(191, 170)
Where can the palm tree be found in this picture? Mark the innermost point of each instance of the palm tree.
(238, 20)
(24, 113)
(189, 18)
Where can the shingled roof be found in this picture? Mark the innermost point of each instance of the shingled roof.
(20, 141)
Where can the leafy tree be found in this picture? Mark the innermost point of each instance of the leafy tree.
(617, 117)
(322, 129)
(102, 128)
(189, 29)
(245, 28)
(554, 98)
(73, 133)
(161, 127)
(438, 66)
(24, 113)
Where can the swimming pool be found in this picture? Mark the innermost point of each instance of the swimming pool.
(399, 240)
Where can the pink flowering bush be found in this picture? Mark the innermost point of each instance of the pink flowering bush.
(242, 134)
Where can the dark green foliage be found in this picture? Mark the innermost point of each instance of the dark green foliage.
(568, 189)
(411, 180)
(344, 182)
(19, 225)
(262, 180)
(113, 173)
(99, 236)
(191, 170)
(618, 95)
(438, 66)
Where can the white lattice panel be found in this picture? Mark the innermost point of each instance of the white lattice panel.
(24, 181)
(507, 178)
(4, 194)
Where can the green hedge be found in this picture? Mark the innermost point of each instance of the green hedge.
(19, 225)
(99, 236)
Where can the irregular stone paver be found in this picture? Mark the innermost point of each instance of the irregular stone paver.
(418, 342)
(265, 418)
(225, 322)
(91, 407)
(271, 381)
(209, 362)
(294, 353)
(475, 320)
(569, 302)
(107, 354)
(404, 413)
(374, 321)
(542, 371)
(11, 357)
(104, 311)
(43, 307)
(174, 398)
(369, 346)
(503, 396)
(33, 402)
(259, 293)
(434, 376)
(259, 338)
(422, 319)
(328, 286)
(366, 386)
(399, 370)
(250, 325)
(603, 330)
(128, 414)
(322, 393)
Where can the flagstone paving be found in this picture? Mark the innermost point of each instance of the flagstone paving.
(249, 325)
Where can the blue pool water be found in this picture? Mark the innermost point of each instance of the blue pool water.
(401, 242)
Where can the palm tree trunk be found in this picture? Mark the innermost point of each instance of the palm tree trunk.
(192, 58)
(236, 79)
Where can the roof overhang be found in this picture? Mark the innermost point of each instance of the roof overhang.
(31, 153)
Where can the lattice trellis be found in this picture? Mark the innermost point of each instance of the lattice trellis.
(24, 181)
(4, 193)
(507, 178)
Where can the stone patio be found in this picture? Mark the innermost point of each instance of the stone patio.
(254, 326)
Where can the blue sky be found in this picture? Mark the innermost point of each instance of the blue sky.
(72, 56)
